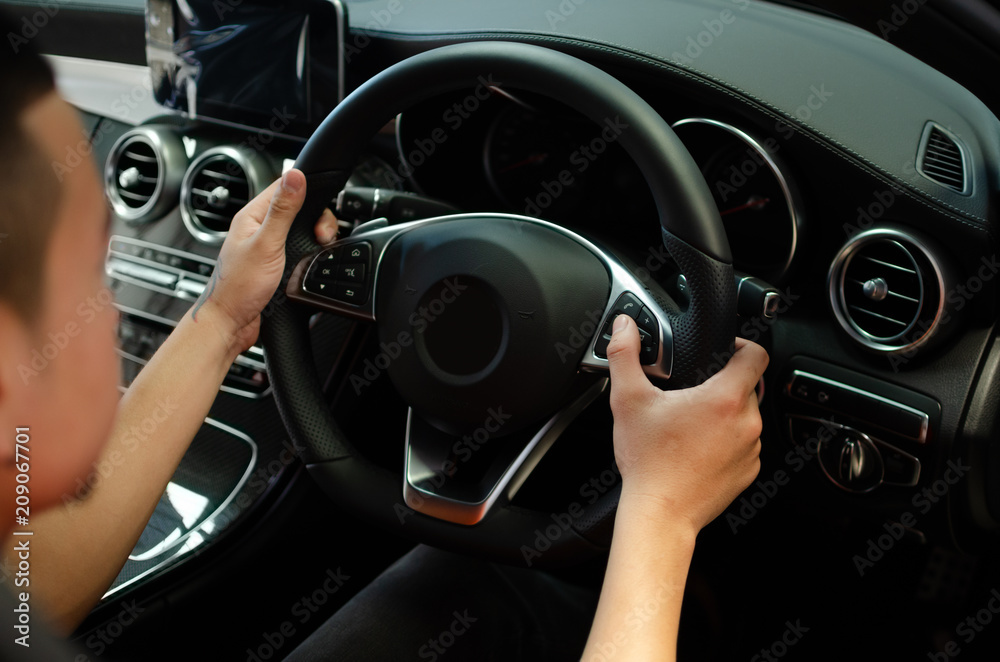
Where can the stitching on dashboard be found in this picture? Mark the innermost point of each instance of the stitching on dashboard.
(959, 215)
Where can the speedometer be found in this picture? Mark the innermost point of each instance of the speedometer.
(758, 206)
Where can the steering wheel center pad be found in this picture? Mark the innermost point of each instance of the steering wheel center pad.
(489, 304)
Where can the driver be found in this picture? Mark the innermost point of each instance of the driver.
(684, 455)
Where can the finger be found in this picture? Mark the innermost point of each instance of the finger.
(326, 227)
(285, 205)
(629, 383)
(744, 368)
(256, 209)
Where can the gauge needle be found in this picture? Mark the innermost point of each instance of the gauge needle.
(534, 158)
(755, 202)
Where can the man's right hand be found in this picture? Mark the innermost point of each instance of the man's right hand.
(690, 451)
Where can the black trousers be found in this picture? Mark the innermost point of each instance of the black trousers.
(435, 605)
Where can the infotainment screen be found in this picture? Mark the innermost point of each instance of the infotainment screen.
(276, 66)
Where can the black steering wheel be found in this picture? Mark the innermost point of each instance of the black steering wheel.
(479, 307)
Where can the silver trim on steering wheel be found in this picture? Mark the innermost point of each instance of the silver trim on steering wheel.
(468, 513)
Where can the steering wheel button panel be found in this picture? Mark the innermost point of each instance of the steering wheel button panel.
(339, 273)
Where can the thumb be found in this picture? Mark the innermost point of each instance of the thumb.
(628, 382)
(285, 205)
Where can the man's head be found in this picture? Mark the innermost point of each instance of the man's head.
(28, 186)
(58, 368)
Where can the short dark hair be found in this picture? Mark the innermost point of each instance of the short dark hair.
(29, 188)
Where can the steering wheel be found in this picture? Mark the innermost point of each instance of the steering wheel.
(475, 313)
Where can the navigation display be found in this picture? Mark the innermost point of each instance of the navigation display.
(276, 66)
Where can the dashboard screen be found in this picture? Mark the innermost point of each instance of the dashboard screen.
(274, 66)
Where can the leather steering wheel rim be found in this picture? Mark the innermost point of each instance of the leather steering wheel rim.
(692, 231)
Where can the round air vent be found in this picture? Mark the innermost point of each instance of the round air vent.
(887, 290)
(216, 186)
(143, 172)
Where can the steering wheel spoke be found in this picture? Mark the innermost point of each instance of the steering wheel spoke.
(460, 478)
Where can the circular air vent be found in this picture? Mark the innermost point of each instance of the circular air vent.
(216, 186)
(143, 172)
(887, 290)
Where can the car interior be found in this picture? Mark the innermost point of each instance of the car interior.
(843, 157)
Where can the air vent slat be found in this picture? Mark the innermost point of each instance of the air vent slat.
(211, 215)
(881, 317)
(943, 162)
(941, 159)
(138, 197)
(220, 175)
(133, 154)
(887, 264)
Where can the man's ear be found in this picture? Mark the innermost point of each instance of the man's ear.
(16, 374)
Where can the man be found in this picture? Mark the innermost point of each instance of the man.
(683, 455)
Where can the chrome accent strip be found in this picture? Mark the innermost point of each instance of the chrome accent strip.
(924, 427)
(119, 267)
(469, 513)
(183, 288)
(835, 288)
(772, 165)
(218, 511)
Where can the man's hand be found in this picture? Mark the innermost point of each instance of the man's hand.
(252, 260)
(690, 451)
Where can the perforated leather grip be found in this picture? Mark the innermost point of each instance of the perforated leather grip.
(704, 334)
